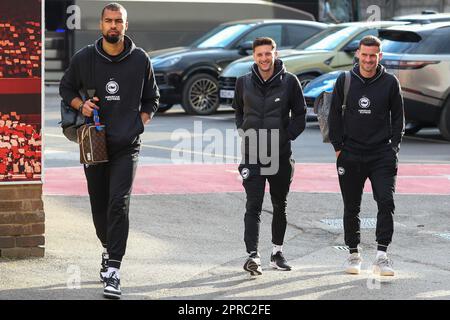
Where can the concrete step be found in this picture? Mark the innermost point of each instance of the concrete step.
(54, 54)
(53, 76)
(54, 43)
(54, 65)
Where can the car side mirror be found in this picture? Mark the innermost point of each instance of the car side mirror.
(244, 47)
(351, 47)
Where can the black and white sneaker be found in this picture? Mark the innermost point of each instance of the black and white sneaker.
(253, 265)
(104, 268)
(112, 286)
(278, 261)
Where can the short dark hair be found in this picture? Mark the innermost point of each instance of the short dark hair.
(264, 41)
(370, 41)
(114, 6)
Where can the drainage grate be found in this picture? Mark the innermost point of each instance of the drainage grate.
(366, 223)
(445, 236)
(341, 248)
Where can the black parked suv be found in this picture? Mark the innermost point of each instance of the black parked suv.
(188, 75)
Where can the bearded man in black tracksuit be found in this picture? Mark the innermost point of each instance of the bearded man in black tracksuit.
(264, 99)
(126, 97)
(366, 137)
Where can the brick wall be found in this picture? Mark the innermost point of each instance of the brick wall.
(21, 221)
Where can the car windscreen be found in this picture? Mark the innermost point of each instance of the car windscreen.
(430, 43)
(221, 36)
(328, 39)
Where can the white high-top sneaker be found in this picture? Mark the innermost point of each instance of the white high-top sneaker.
(353, 263)
(383, 266)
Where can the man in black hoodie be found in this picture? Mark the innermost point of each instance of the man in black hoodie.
(366, 135)
(126, 97)
(264, 99)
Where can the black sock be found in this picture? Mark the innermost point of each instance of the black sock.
(114, 261)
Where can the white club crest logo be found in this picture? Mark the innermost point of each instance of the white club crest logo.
(341, 171)
(112, 87)
(245, 173)
(364, 102)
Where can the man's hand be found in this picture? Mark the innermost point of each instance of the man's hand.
(338, 153)
(145, 117)
(89, 106)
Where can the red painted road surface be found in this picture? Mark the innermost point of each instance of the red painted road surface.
(210, 178)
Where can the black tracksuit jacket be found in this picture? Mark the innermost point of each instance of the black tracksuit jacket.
(374, 117)
(125, 85)
(267, 104)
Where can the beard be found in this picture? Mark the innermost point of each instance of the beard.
(369, 67)
(112, 38)
(266, 68)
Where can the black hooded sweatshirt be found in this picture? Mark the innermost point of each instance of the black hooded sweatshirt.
(267, 104)
(125, 85)
(374, 117)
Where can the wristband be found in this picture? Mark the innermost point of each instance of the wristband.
(80, 108)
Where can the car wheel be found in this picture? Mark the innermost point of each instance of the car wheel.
(306, 78)
(201, 94)
(444, 123)
(164, 107)
(412, 128)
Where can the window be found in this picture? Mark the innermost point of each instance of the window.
(440, 41)
(370, 32)
(296, 34)
(434, 43)
(272, 31)
(328, 39)
(222, 36)
(397, 46)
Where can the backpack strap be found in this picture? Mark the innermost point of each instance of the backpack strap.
(88, 75)
(90, 79)
(346, 89)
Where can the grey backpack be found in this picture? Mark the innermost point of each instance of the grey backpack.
(322, 106)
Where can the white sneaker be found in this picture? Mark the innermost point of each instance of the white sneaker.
(253, 265)
(111, 285)
(383, 266)
(353, 264)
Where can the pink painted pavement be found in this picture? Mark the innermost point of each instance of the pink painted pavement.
(211, 178)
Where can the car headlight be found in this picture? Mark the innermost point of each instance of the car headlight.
(165, 62)
(328, 61)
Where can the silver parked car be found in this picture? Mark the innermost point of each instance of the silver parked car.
(419, 55)
(425, 17)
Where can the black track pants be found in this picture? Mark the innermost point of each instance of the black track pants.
(254, 184)
(109, 186)
(353, 170)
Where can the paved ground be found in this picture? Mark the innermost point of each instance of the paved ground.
(186, 231)
(190, 247)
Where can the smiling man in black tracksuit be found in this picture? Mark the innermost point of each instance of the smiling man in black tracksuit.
(366, 137)
(264, 99)
(126, 97)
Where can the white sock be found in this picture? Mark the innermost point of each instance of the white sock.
(111, 270)
(381, 254)
(254, 253)
(276, 249)
(357, 254)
